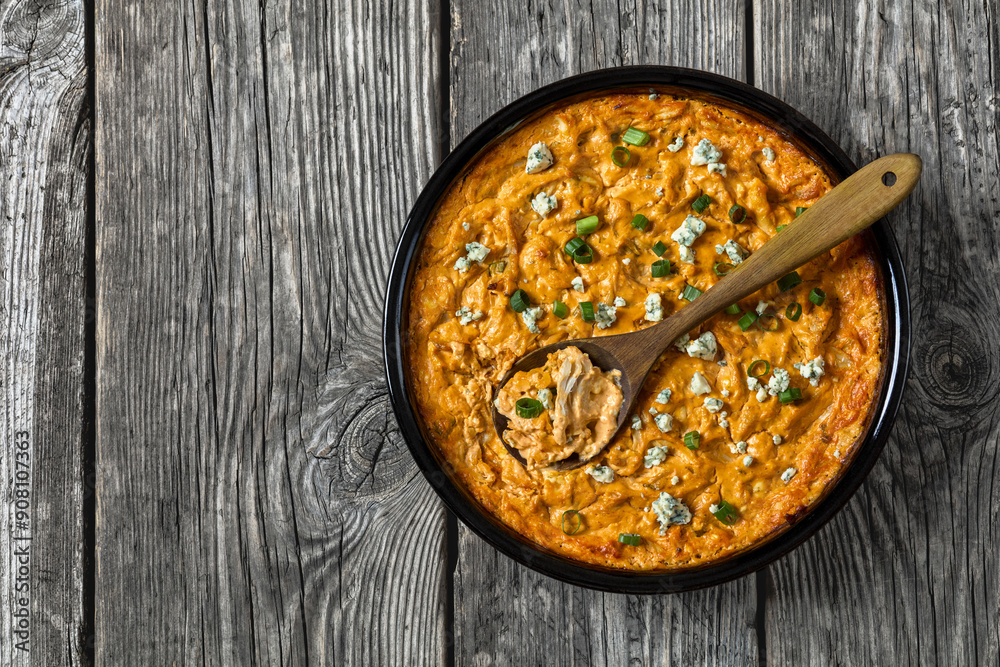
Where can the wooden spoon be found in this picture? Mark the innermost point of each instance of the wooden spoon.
(847, 209)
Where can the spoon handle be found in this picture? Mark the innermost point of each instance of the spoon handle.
(847, 209)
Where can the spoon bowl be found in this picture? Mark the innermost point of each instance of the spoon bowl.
(846, 210)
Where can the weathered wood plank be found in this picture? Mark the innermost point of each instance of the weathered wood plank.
(44, 144)
(505, 613)
(907, 573)
(256, 503)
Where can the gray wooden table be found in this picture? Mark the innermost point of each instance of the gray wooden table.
(198, 463)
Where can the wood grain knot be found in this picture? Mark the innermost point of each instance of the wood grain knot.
(953, 364)
(38, 29)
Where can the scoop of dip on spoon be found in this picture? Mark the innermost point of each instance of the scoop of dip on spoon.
(591, 385)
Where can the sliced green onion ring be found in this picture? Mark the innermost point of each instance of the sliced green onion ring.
(498, 267)
(701, 203)
(584, 255)
(789, 281)
(755, 365)
(799, 210)
(659, 248)
(747, 320)
(738, 214)
(621, 156)
(640, 221)
(767, 322)
(529, 408)
(559, 308)
(722, 268)
(817, 296)
(790, 395)
(572, 522)
(587, 225)
(733, 309)
(691, 293)
(692, 439)
(779, 228)
(630, 538)
(519, 301)
(660, 268)
(587, 311)
(726, 513)
(635, 136)
(573, 245)
(793, 311)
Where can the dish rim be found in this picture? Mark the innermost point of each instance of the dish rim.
(779, 116)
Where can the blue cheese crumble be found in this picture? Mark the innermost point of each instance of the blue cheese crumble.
(636, 422)
(654, 309)
(686, 254)
(705, 153)
(663, 397)
(627, 261)
(474, 252)
(664, 422)
(606, 315)
(717, 168)
(689, 231)
(753, 384)
(778, 382)
(530, 316)
(675, 480)
(543, 203)
(703, 347)
(465, 226)
(747, 460)
(539, 158)
(762, 307)
(465, 315)
(740, 447)
(769, 154)
(681, 343)
(545, 397)
(577, 284)
(619, 302)
(699, 385)
(733, 250)
(670, 511)
(713, 404)
(654, 456)
(602, 474)
(811, 370)
(676, 144)
(786, 476)
(776, 439)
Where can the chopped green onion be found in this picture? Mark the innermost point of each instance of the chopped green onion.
(584, 255)
(529, 408)
(799, 210)
(640, 221)
(722, 268)
(587, 311)
(737, 214)
(768, 322)
(747, 320)
(817, 296)
(752, 370)
(660, 268)
(659, 248)
(630, 538)
(726, 513)
(573, 245)
(794, 311)
(691, 293)
(572, 522)
(621, 156)
(790, 395)
(733, 309)
(789, 281)
(779, 228)
(559, 308)
(498, 267)
(692, 439)
(519, 301)
(587, 225)
(635, 137)
(701, 203)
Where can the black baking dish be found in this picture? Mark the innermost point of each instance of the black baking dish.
(747, 99)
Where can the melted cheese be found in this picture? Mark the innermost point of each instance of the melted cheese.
(456, 367)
